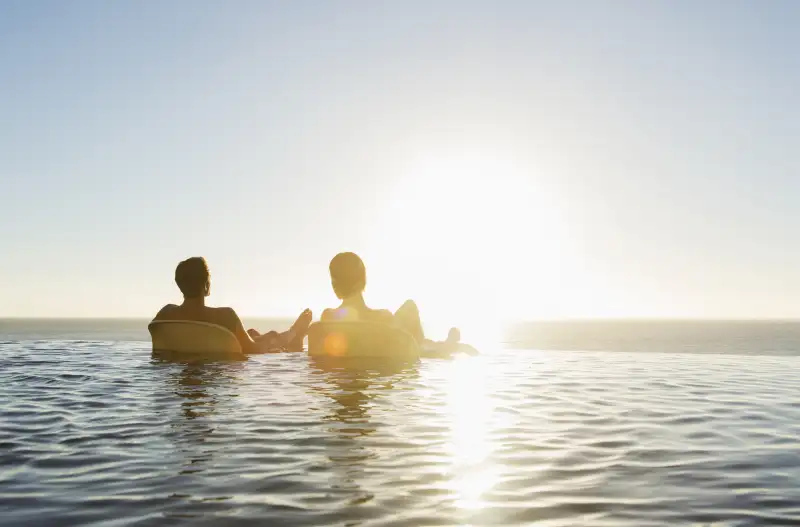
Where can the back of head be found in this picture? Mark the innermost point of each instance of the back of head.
(193, 277)
(348, 275)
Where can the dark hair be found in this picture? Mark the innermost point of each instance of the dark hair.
(348, 275)
(192, 277)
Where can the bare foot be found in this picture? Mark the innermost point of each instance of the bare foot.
(299, 330)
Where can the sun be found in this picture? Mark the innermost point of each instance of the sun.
(461, 232)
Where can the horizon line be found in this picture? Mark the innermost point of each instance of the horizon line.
(510, 322)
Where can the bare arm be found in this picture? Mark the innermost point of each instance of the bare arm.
(248, 344)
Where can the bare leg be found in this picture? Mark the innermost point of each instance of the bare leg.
(295, 335)
(408, 317)
(255, 335)
(453, 336)
(292, 339)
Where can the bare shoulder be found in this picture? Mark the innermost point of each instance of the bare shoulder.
(327, 314)
(225, 313)
(164, 312)
(224, 316)
(383, 315)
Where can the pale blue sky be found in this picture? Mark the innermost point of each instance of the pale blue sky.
(655, 150)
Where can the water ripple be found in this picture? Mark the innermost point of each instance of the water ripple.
(95, 433)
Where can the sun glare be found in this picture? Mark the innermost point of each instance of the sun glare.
(470, 448)
(459, 234)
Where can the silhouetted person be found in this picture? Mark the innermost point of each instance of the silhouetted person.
(194, 281)
(349, 279)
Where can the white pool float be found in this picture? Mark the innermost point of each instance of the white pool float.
(194, 339)
(361, 339)
(375, 340)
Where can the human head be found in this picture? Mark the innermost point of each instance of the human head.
(348, 275)
(193, 278)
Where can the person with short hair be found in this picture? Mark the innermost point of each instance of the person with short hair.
(194, 280)
(349, 280)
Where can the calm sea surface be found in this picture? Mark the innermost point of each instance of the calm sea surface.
(651, 424)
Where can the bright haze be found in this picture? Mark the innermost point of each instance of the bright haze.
(492, 160)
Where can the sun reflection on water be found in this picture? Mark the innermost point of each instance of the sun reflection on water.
(470, 447)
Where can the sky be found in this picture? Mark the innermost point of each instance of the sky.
(492, 160)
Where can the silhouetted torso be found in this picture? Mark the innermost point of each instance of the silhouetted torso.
(221, 316)
(357, 311)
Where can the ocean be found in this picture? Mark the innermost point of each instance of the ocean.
(624, 423)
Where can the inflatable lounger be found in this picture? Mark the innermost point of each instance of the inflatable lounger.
(194, 339)
(361, 339)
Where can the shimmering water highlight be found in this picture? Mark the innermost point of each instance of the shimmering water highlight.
(96, 433)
